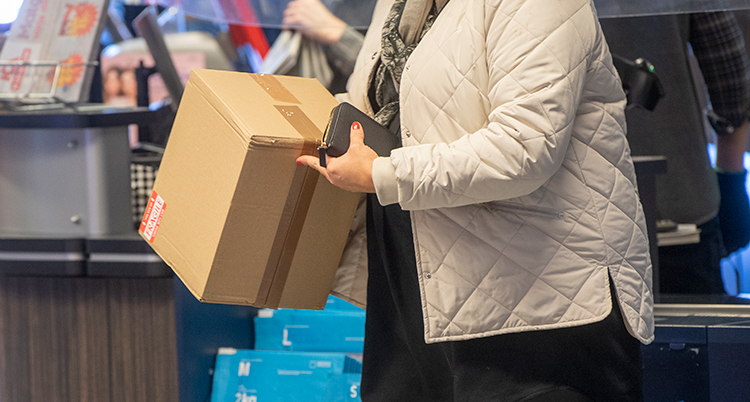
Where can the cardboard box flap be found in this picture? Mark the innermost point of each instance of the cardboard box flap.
(285, 115)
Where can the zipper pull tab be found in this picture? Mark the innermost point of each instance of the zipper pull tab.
(322, 155)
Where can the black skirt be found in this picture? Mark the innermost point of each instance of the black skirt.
(598, 362)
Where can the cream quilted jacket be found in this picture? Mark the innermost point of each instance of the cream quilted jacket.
(516, 171)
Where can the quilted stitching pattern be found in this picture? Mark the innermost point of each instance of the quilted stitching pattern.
(540, 258)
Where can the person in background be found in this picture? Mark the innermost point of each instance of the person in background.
(111, 85)
(507, 255)
(692, 191)
(129, 85)
(342, 41)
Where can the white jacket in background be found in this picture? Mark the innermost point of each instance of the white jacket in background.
(516, 170)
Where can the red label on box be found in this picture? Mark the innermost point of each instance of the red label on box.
(152, 217)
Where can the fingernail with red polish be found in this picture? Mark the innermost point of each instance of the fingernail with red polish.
(355, 125)
(299, 163)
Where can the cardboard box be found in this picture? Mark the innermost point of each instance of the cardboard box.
(233, 215)
(263, 376)
(310, 331)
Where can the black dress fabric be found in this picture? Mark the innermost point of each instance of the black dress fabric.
(694, 268)
(595, 362)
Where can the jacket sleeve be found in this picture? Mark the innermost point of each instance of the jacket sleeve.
(719, 47)
(342, 54)
(537, 57)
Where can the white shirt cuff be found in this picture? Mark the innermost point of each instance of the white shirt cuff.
(384, 179)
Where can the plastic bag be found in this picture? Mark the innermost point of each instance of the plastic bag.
(295, 54)
(283, 54)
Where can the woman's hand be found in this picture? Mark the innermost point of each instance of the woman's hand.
(351, 171)
(314, 20)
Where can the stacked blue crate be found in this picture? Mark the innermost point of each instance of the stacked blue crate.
(335, 304)
(269, 376)
(310, 331)
(300, 355)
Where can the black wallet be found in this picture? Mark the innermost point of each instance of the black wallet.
(336, 137)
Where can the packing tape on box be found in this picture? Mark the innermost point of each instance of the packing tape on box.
(299, 120)
(274, 88)
(297, 203)
(293, 114)
(288, 234)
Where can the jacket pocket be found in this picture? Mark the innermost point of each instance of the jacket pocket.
(523, 209)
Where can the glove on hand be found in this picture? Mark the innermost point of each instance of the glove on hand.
(734, 210)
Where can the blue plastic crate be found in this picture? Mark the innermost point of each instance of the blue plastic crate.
(268, 376)
(337, 304)
(344, 388)
(310, 331)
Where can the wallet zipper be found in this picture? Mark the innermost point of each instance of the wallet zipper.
(328, 125)
(322, 148)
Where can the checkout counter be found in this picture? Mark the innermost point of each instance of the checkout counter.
(86, 308)
(701, 350)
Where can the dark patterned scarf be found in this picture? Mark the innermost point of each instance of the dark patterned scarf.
(393, 56)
